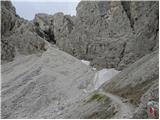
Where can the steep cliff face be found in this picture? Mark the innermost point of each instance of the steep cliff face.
(9, 20)
(8, 17)
(18, 35)
(119, 33)
(109, 34)
(56, 29)
(144, 20)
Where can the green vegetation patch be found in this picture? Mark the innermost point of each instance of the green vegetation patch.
(96, 97)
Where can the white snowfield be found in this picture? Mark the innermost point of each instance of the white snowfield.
(104, 75)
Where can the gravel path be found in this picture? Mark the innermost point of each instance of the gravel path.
(125, 109)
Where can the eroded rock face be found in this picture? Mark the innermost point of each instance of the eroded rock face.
(8, 22)
(118, 33)
(18, 35)
(109, 34)
(55, 27)
(144, 23)
(8, 16)
(144, 71)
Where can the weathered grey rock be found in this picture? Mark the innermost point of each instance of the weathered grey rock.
(153, 91)
(8, 16)
(8, 50)
(37, 86)
(54, 84)
(10, 20)
(109, 34)
(18, 35)
(134, 82)
(94, 106)
(57, 27)
(144, 21)
(129, 29)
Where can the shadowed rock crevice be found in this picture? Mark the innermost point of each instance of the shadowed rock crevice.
(127, 9)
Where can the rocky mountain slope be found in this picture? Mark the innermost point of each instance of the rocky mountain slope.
(109, 34)
(39, 80)
(38, 84)
(136, 83)
(18, 35)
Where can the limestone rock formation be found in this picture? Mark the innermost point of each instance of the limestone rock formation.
(8, 17)
(121, 32)
(56, 28)
(109, 34)
(18, 35)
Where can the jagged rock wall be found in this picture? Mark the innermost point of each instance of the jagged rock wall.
(8, 17)
(18, 35)
(118, 33)
(109, 34)
(57, 27)
(8, 21)
(144, 23)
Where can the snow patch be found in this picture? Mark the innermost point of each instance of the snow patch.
(104, 75)
(85, 62)
(101, 76)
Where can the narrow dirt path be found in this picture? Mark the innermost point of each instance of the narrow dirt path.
(125, 109)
